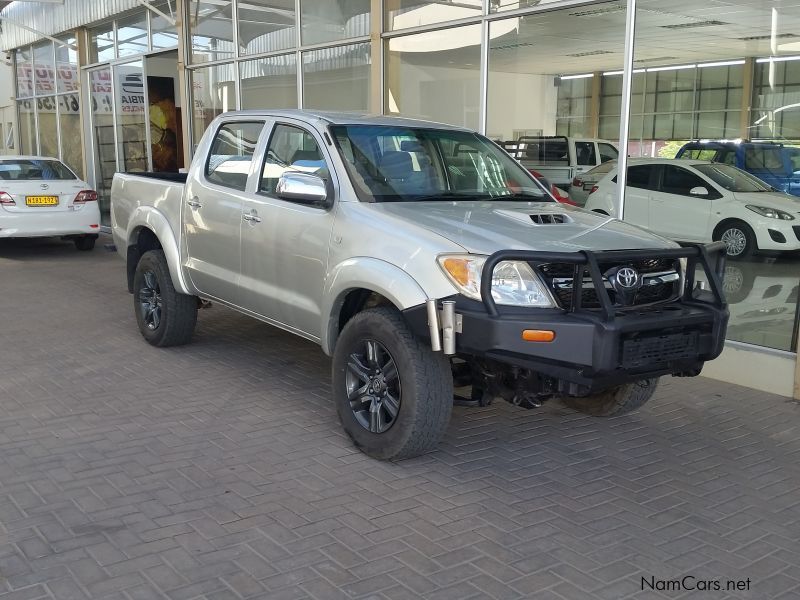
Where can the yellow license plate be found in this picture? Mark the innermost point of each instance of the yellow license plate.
(41, 200)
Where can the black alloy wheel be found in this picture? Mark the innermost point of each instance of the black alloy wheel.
(373, 386)
(150, 302)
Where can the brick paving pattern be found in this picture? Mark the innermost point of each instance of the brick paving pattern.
(218, 471)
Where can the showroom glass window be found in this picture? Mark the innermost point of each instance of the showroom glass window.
(270, 81)
(47, 100)
(211, 30)
(401, 14)
(337, 78)
(435, 75)
(743, 89)
(266, 26)
(102, 42)
(163, 34)
(332, 21)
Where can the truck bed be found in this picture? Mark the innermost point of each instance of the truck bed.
(135, 193)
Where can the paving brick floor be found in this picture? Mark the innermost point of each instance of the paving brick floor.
(218, 471)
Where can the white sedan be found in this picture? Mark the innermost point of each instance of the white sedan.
(701, 201)
(42, 197)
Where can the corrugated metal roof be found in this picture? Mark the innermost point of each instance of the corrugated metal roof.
(53, 19)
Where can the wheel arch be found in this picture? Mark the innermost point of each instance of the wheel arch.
(149, 229)
(360, 283)
(719, 227)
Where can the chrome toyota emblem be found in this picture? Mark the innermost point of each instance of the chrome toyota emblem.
(628, 278)
(44, 186)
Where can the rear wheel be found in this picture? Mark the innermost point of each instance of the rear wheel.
(393, 394)
(615, 401)
(165, 317)
(85, 242)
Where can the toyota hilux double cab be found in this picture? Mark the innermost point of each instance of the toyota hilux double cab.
(421, 258)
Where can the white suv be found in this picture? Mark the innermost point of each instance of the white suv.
(700, 201)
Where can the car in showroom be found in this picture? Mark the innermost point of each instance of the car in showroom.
(560, 158)
(42, 197)
(584, 184)
(702, 201)
(775, 163)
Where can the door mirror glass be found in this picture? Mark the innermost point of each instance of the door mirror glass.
(698, 191)
(301, 187)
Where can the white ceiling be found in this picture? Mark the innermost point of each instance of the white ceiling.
(591, 38)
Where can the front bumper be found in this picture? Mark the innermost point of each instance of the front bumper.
(774, 234)
(597, 349)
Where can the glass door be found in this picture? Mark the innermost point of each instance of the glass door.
(130, 96)
(101, 129)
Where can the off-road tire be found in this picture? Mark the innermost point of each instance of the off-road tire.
(619, 400)
(85, 242)
(426, 382)
(178, 314)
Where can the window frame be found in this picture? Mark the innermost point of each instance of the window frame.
(653, 180)
(264, 127)
(600, 153)
(713, 192)
(330, 183)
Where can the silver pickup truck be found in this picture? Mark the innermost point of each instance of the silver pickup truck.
(423, 259)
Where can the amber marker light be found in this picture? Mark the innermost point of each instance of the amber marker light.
(538, 335)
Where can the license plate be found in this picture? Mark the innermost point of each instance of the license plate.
(41, 200)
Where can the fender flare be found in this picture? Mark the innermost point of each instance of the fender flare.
(364, 272)
(150, 218)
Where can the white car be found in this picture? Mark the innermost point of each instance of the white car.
(585, 183)
(701, 201)
(41, 197)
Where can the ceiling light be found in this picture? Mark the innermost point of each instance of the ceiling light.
(694, 24)
(777, 59)
(723, 63)
(598, 11)
(670, 68)
(590, 53)
(582, 76)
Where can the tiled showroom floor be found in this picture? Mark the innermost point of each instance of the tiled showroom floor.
(218, 470)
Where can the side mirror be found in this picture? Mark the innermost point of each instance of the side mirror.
(302, 187)
(698, 191)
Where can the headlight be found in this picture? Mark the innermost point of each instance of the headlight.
(514, 283)
(772, 213)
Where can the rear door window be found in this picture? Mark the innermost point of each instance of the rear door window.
(640, 177)
(585, 154)
(607, 152)
(677, 180)
(763, 159)
(231, 154)
(290, 149)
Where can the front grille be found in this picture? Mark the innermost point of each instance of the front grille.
(559, 278)
(638, 352)
(796, 229)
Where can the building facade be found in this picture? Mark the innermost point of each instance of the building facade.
(131, 85)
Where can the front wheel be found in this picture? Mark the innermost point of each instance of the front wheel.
(165, 317)
(739, 239)
(616, 401)
(393, 394)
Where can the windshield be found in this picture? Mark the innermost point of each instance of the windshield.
(34, 169)
(402, 164)
(733, 179)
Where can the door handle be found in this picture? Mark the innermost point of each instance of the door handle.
(194, 202)
(251, 218)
